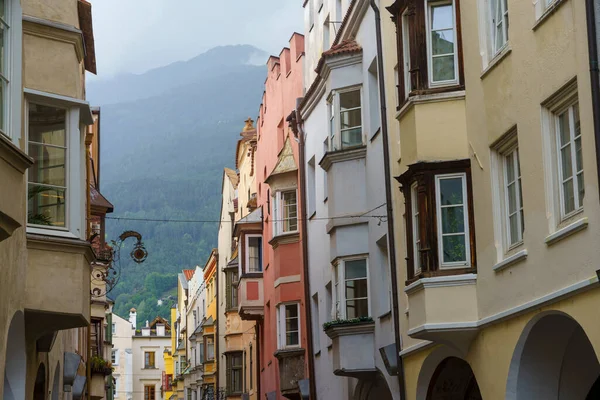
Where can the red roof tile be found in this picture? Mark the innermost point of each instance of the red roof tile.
(347, 46)
(188, 273)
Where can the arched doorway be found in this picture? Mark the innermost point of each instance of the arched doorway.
(15, 364)
(39, 389)
(553, 360)
(373, 389)
(453, 380)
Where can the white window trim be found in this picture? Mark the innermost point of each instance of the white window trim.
(247, 255)
(281, 330)
(460, 264)
(339, 302)
(559, 101)
(13, 55)
(406, 54)
(278, 221)
(568, 109)
(493, 24)
(334, 98)
(116, 351)
(428, 5)
(514, 150)
(75, 179)
(414, 211)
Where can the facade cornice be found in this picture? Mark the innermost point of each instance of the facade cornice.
(333, 157)
(284, 238)
(61, 245)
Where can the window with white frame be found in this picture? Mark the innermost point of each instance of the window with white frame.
(569, 159)
(253, 253)
(442, 49)
(209, 342)
(48, 177)
(10, 69)
(114, 328)
(405, 54)
(288, 325)
(352, 288)
(498, 24)
(416, 229)
(285, 216)
(452, 220)
(114, 357)
(345, 119)
(513, 197)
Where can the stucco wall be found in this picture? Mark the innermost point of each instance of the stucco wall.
(63, 11)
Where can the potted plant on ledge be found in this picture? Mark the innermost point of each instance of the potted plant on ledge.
(353, 345)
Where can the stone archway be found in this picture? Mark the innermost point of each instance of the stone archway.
(453, 380)
(39, 389)
(375, 388)
(15, 366)
(553, 360)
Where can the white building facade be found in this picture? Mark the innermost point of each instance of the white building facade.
(349, 274)
(196, 310)
(122, 356)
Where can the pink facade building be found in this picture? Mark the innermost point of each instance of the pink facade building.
(283, 335)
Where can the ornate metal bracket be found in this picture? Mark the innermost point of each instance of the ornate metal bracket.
(106, 271)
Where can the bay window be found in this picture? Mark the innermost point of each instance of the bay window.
(441, 35)
(345, 119)
(285, 212)
(429, 46)
(440, 231)
(288, 325)
(253, 253)
(352, 288)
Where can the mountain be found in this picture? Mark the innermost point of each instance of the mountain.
(166, 136)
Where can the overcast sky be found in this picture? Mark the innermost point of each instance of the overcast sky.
(138, 35)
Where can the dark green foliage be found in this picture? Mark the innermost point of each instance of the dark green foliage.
(162, 158)
(352, 321)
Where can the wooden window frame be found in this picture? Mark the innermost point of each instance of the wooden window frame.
(414, 12)
(424, 176)
(148, 365)
(149, 392)
(230, 367)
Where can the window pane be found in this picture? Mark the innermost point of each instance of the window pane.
(578, 156)
(566, 165)
(352, 137)
(442, 42)
(46, 205)
(499, 36)
(510, 168)
(441, 17)
(453, 219)
(356, 269)
(569, 196)
(357, 308)
(454, 248)
(47, 125)
(350, 119)
(581, 188)
(349, 100)
(563, 128)
(443, 68)
(451, 191)
(49, 165)
(514, 229)
(292, 339)
(291, 311)
(512, 198)
(356, 289)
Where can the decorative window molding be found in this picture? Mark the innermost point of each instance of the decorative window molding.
(351, 286)
(507, 197)
(563, 163)
(288, 326)
(445, 215)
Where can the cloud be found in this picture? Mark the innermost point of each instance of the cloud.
(133, 36)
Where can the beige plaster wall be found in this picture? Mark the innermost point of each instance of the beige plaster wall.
(63, 11)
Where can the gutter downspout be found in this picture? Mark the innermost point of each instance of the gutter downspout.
(296, 119)
(389, 201)
(594, 74)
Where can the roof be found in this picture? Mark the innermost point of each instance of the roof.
(98, 200)
(233, 176)
(84, 10)
(160, 320)
(348, 46)
(182, 280)
(209, 322)
(252, 218)
(285, 161)
(233, 263)
(189, 273)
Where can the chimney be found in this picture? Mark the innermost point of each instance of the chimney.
(133, 318)
(160, 330)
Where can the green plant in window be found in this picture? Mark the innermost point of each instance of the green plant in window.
(351, 321)
(37, 218)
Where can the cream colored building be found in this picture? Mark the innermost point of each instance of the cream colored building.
(122, 355)
(45, 258)
(498, 217)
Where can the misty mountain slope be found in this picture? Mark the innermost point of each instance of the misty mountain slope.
(162, 157)
(215, 62)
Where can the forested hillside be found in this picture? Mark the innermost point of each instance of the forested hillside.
(166, 136)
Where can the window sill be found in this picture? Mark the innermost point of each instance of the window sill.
(547, 13)
(510, 260)
(567, 231)
(251, 275)
(285, 238)
(332, 157)
(441, 278)
(385, 315)
(496, 60)
(454, 93)
(51, 232)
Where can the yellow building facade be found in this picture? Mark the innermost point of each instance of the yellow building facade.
(209, 327)
(492, 142)
(167, 384)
